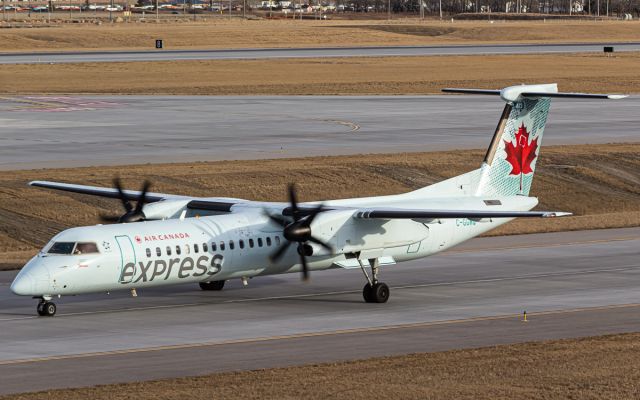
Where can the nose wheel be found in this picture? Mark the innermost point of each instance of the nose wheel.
(46, 308)
(374, 291)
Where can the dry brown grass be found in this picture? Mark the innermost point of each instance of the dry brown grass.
(605, 367)
(219, 33)
(599, 183)
(386, 75)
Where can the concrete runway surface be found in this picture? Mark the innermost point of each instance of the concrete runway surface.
(63, 131)
(571, 284)
(322, 52)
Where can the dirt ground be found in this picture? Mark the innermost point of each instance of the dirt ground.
(604, 367)
(384, 75)
(220, 33)
(599, 183)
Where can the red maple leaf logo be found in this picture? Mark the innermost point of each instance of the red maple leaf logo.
(521, 153)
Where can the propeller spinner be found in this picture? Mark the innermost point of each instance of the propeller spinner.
(131, 214)
(298, 231)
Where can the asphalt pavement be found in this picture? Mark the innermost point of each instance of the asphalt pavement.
(67, 131)
(315, 52)
(571, 284)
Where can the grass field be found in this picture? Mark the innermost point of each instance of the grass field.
(599, 183)
(383, 75)
(217, 33)
(603, 367)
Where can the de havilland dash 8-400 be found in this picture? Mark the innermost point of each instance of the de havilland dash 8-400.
(171, 239)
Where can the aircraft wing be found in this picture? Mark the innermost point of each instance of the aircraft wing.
(222, 204)
(102, 192)
(400, 213)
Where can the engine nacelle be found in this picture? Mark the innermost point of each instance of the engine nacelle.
(165, 209)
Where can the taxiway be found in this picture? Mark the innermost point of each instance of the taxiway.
(69, 131)
(309, 52)
(571, 284)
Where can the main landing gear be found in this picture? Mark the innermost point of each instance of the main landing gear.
(46, 308)
(374, 291)
(213, 285)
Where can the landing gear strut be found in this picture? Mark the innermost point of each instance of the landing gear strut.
(374, 291)
(213, 285)
(46, 308)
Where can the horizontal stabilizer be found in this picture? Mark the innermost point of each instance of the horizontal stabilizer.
(575, 95)
(520, 92)
(398, 213)
(472, 91)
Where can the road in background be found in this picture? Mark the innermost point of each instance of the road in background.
(319, 52)
(62, 131)
(571, 284)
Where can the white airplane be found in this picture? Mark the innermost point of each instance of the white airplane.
(170, 239)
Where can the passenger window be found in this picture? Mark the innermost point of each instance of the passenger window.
(277, 240)
(204, 248)
(231, 245)
(259, 242)
(195, 248)
(168, 250)
(251, 243)
(158, 251)
(213, 247)
(222, 246)
(178, 249)
(241, 243)
(148, 252)
(268, 241)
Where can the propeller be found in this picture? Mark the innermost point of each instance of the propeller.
(131, 214)
(298, 231)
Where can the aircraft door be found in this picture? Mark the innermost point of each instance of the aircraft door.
(127, 257)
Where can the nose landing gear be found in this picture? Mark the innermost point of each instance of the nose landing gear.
(374, 291)
(46, 308)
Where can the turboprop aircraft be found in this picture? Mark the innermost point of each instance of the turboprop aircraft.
(171, 239)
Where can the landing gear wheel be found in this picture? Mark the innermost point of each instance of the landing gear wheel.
(367, 293)
(379, 293)
(46, 309)
(214, 285)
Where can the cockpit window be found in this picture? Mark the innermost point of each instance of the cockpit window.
(86, 248)
(73, 248)
(62, 248)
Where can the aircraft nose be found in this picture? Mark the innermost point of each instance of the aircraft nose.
(23, 285)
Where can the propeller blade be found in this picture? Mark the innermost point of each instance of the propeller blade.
(143, 196)
(305, 268)
(313, 215)
(293, 199)
(277, 219)
(275, 257)
(123, 198)
(109, 218)
(321, 243)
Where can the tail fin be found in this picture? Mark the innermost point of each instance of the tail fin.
(510, 162)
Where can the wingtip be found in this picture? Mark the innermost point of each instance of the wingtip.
(617, 96)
